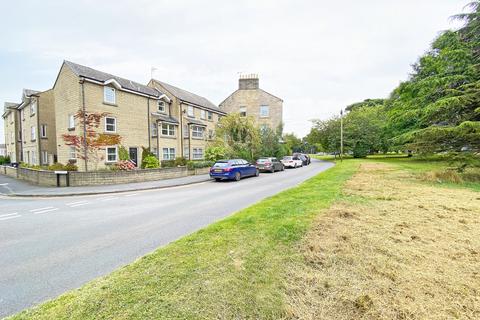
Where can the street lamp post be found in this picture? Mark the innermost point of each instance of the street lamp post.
(341, 135)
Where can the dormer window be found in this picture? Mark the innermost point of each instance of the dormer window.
(109, 95)
(161, 106)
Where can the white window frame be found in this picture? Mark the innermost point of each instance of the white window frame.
(71, 121)
(264, 114)
(169, 129)
(190, 112)
(106, 91)
(211, 134)
(186, 131)
(210, 115)
(198, 132)
(161, 106)
(243, 111)
(170, 154)
(203, 114)
(106, 154)
(186, 152)
(197, 154)
(33, 135)
(44, 157)
(72, 153)
(22, 114)
(12, 137)
(109, 124)
(43, 131)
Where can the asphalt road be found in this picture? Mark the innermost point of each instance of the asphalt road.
(51, 245)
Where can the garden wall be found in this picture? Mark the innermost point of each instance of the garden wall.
(49, 178)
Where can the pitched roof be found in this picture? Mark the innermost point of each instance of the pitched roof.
(30, 92)
(89, 73)
(165, 118)
(189, 97)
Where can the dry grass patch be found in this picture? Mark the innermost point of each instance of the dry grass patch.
(407, 251)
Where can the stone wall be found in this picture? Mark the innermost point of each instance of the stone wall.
(49, 178)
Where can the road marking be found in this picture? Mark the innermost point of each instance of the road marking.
(45, 211)
(8, 214)
(108, 199)
(79, 204)
(76, 202)
(131, 194)
(12, 217)
(40, 209)
(3, 184)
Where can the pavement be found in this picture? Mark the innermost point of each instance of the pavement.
(18, 188)
(51, 245)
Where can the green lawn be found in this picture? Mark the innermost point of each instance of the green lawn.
(233, 269)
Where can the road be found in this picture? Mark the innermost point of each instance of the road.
(51, 245)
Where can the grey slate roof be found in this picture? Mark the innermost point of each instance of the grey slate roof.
(197, 122)
(189, 97)
(165, 118)
(89, 73)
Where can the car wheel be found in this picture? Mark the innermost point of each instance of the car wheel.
(283, 168)
(273, 170)
(237, 176)
(217, 179)
(257, 173)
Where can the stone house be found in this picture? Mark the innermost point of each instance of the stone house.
(30, 129)
(170, 121)
(249, 100)
(194, 121)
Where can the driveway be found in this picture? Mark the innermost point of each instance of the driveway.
(51, 245)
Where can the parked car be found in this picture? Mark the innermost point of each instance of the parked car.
(305, 158)
(292, 162)
(234, 169)
(269, 164)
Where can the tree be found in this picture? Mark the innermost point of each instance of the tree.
(271, 145)
(239, 136)
(292, 143)
(88, 145)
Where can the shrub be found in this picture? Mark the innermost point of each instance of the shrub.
(199, 164)
(150, 162)
(180, 161)
(168, 163)
(4, 160)
(215, 153)
(125, 165)
(60, 167)
(123, 154)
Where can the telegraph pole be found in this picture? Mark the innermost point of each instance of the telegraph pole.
(341, 135)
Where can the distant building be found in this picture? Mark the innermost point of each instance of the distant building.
(250, 100)
(3, 150)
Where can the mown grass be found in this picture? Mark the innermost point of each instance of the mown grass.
(233, 269)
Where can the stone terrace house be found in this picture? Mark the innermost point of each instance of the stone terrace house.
(189, 122)
(250, 100)
(30, 128)
(129, 109)
(168, 120)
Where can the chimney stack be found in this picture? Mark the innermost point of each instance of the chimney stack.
(248, 82)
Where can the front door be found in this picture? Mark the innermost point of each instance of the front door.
(133, 153)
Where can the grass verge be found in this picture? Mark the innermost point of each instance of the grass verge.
(233, 269)
(392, 247)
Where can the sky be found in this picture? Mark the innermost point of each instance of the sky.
(318, 56)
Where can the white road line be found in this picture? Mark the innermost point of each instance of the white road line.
(76, 202)
(131, 194)
(79, 204)
(12, 217)
(8, 214)
(40, 209)
(45, 211)
(108, 199)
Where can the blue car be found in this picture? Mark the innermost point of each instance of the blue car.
(234, 169)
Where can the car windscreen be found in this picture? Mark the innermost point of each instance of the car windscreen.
(287, 158)
(262, 160)
(221, 164)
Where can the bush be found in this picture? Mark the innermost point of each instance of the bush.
(168, 163)
(4, 160)
(360, 150)
(60, 167)
(180, 161)
(199, 164)
(150, 162)
(215, 153)
(123, 154)
(125, 165)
